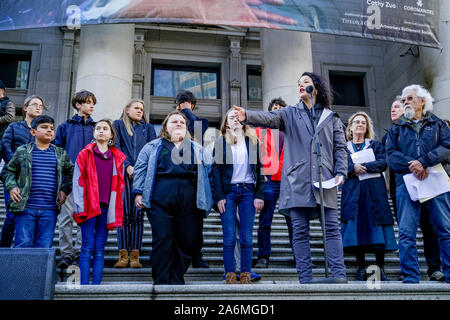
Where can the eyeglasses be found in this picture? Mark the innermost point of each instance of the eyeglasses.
(35, 105)
(408, 98)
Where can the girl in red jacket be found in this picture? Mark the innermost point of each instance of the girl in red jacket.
(98, 185)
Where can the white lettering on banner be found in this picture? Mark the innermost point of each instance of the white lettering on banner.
(374, 20)
(375, 3)
(418, 10)
(74, 17)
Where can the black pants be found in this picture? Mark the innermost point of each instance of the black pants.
(175, 227)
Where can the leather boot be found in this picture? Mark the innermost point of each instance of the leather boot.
(245, 278)
(230, 278)
(123, 259)
(134, 259)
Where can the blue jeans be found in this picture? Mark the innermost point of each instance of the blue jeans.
(8, 226)
(35, 228)
(408, 221)
(301, 246)
(94, 236)
(271, 195)
(241, 195)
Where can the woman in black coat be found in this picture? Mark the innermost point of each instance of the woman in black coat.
(132, 133)
(366, 218)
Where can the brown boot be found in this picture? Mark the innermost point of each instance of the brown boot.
(134, 259)
(123, 259)
(245, 278)
(230, 278)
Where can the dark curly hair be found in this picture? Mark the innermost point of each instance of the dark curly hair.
(324, 95)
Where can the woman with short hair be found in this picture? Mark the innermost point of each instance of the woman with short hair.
(171, 181)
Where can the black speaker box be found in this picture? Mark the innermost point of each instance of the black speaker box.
(27, 273)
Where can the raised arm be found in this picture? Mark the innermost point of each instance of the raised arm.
(272, 119)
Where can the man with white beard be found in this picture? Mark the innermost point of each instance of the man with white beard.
(417, 141)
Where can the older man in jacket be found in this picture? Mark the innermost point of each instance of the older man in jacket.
(417, 141)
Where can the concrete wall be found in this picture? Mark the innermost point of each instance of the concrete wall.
(46, 46)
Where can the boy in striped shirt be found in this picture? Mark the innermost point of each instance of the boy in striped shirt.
(33, 178)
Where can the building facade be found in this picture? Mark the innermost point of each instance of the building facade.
(221, 65)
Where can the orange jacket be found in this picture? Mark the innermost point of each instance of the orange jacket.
(85, 192)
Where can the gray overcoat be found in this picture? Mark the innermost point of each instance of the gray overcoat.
(299, 164)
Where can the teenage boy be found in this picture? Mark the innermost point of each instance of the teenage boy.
(34, 181)
(185, 103)
(73, 135)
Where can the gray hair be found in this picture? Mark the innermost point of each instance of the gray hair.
(423, 93)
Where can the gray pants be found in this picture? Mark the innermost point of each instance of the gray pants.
(65, 227)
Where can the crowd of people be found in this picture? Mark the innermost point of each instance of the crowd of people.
(107, 175)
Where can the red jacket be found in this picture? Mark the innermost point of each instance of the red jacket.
(85, 192)
(272, 165)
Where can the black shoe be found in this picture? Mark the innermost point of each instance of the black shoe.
(262, 263)
(361, 274)
(383, 276)
(437, 276)
(200, 264)
(65, 262)
(76, 259)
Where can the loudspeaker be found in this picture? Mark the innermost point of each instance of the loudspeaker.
(27, 273)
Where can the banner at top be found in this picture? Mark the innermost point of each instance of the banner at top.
(408, 21)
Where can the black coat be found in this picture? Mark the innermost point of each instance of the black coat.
(379, 205)
(222, 171)
(132, 145)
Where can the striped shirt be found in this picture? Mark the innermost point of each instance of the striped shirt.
(43, 179)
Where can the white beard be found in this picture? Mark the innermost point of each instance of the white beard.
(409, 113)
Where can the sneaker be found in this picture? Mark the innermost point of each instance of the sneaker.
(437, 276)
(262, 263)
(254, 276)
(65, 262)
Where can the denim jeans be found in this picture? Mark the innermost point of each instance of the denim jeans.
(94, 236)
(241, 195)
(408, 221)
(301, 245)
(8, 226)
(35, 228)
(271, 195)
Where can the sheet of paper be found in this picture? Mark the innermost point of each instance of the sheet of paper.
(329, 183)
(435, 184)
(363, 156)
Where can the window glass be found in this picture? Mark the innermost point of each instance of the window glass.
(203, 83)
(15, 68)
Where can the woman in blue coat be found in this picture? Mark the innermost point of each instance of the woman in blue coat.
(16, 135)
(132, 134)
(366, 218)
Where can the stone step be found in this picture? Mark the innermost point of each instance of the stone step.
(266, 290)
(216, 274)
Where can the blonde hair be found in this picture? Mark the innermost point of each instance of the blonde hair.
(225, 131)
(127, 121)
(164, 134)
(369, 126)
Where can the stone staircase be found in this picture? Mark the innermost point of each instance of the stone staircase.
(279, 281)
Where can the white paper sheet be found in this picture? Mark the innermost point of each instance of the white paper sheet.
(365, 156)
(329, 184)
(435, 184)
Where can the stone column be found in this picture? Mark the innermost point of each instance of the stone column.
(106, 66)
(235, 71)
(285, 56)
(436, 63)
(65, 78)
(139, 64)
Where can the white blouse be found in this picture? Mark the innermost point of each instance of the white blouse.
(241, 169)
